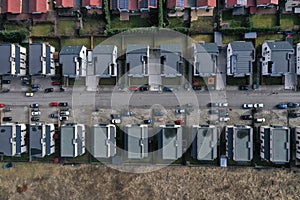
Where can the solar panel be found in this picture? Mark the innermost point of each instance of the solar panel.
(123, 4)
(180, 3)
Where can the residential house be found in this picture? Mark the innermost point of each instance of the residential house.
(12, 59)
(72, 140)
(124, 5)
(146, 5)
(39, 6)
(105, 61)
(205, 59)
(239, 3)
(170, 142)
(176, 4)
(275, 144)
(136, 141)
(240, 56)
(41, 61)
(64, 4)
(11, 6)
(205, 141)
(201, 4)
(103, 140)
(171, 60)
(41, 141)
(277, 58)
(92, 3)
(12, 139)
(137, 56)
(73, 60)
(239, 143)
(266, 3)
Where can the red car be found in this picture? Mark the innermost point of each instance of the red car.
(179, 122)
(53, 104)
(133, 88)
(55, 83)
(1, 105)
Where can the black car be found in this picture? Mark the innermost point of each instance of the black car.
(5, 81)
(54, 115)
(244, 87)
(197, 87)
(6, 119)
(55, 78)
(212, 105)
(213, 112)
(25, 83)
(246, 117)
(35, 86)
(294, 115)
(115, 116)
(48, 90)
(34, 105)
(5, 90)
(35, 119)
(292, 105)
(144, 88)
(63, 104)
(167, 89)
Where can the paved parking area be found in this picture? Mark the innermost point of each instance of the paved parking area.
(15, 84)
(45, 82)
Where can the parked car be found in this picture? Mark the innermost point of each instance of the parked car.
(54, 115)
(294, 115)
(247, 105)
(35, 86)
(55, 83)
(35, 119)
(224, 114)
(5, 90)
(25, 83)
(127, 113)
(1, 105)
(224, 119)
(24, 78)
(246, 117)
(64, 109)
(158, 113)
(282, 106)
(64, 113)
(258, 105)
(167, 89)
(197, 87)
(147, 121)
(115, 121)
(244, 87)
(48, 90)
(34, 105)
(35, 113)
(63, 118)
(225, 104)
(179, 111)
(213, 104)
(134, 88)
(144, 88)
(35, 109)
(115, 116)
(179, 122)
(213, 112)
(260, 120)
(292, 105)
(63, 104)
(53, 104)
(29, 94)
(5, 81)
(212, 122)
(6, 119)
(7, 109)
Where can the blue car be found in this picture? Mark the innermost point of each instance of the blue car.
(167, 89)
(282, 106)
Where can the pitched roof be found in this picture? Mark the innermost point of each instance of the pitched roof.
(207, 47)
(210, 3)
(171, 4)
(41, 6)
(279, 45)
(70, 50)
(241, 46)
(65, 3)
(137, 48)
(104, 49)
(95, 3)
(266, 2)
(11, 6)
(171, 47)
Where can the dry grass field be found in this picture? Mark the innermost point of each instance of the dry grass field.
(48, 181)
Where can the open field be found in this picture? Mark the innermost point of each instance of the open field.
(93, 181)
(42, 30)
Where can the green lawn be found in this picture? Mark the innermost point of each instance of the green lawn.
(175, 22)
(42, 30)
(66, 27)
(287, 22)
(230, 38)
(263, 21)
(134, 22)
(76, 41)
(233, 21)
(99, 40)
(261, 38)
(14, 27)
(203, 24)
(268, 80)
(92, 26)
(202, 37)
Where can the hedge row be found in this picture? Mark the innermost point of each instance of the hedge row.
(242, 30)
(13, 36)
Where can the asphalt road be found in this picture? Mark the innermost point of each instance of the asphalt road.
(147, 99)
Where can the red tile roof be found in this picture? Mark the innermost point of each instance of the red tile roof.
(91, 3)
(64, 4)
(210, 3)
(266, 2)
(40, 6)
(11, 6)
